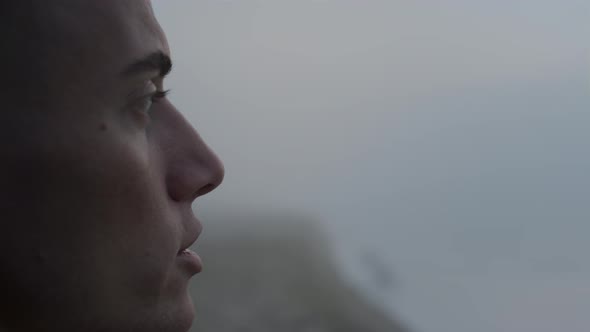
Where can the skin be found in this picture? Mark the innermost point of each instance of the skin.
(97, 184)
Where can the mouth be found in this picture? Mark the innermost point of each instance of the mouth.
(187, 257)
(191, 261)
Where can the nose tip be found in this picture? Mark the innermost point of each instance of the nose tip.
(194, 172)
(192, 168)
(194, 179)
(217, 174)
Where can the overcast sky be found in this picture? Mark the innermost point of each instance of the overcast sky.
(450, 138)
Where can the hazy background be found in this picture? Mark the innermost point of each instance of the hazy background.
(443, 144)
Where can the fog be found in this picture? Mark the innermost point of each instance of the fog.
(446, 141)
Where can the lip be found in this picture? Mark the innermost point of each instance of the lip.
(193, 235)
(190, 260)
(187, 257)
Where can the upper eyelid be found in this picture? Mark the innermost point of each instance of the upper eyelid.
(152, 96)
(141, 92)
(161, 93)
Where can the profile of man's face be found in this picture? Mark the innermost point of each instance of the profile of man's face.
(97, 184)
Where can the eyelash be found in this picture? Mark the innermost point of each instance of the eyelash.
(159, 95)
(145, 104)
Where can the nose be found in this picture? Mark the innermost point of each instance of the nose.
(192, 168)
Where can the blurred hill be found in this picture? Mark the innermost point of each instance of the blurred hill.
(276, 273)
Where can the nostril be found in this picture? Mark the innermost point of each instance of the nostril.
(186, 182)
(204, 190)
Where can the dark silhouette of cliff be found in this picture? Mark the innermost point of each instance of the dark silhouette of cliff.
(276, 273)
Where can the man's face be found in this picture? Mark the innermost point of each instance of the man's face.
(97, 189)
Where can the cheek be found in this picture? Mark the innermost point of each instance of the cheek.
(92, 225)
(106, 244)
(108, 222)
(122, 201)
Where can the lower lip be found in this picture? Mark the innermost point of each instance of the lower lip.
(191, 260)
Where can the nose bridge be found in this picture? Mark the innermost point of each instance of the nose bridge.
(193, 169)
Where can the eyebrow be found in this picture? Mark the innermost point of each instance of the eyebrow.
(157, 61)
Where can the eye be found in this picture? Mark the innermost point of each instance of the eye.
(146, 102)
(159, 95)
(143, 105)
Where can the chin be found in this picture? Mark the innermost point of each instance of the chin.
(187, 315)
(175, 310)
(184, 315)
(176, 315)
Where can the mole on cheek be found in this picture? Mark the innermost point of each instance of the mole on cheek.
(102, 127)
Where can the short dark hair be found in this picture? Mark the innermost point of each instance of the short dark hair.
(23, 42)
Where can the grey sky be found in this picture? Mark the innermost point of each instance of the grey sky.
(449, 137)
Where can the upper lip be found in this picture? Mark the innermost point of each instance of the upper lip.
(192, 236)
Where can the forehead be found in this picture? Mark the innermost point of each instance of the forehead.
(96, 39)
